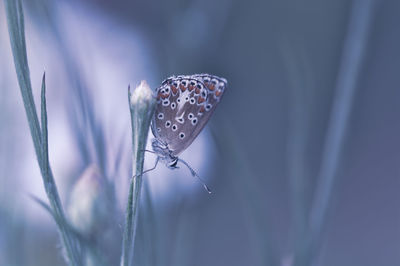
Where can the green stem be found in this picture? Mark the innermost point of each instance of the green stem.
(16, 30)
(351, 66)
(142, 104)
(69, 240)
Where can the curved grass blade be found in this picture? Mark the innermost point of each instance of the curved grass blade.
(15, 20)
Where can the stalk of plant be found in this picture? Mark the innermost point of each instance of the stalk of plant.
(141, 104)
(16, 30)
(248, 193)
(350, 68)
(300, 76)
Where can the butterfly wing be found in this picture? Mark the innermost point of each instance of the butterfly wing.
(184, 105)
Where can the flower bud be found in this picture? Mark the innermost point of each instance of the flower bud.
(90, 205)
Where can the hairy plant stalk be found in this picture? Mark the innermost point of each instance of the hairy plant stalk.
(350, 68)
(141, 105)
(16, 30)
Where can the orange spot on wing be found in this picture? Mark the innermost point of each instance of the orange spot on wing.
(218, 93)
(197, 90)
(202, 109)
(174, 89)
(165, 95)
(200, 100)
(211, 87)
(183, 88)
(191, 87)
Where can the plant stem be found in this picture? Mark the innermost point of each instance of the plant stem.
(142, 104)
(350, 68)
(16, 30)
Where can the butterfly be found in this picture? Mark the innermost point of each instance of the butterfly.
(185, 103)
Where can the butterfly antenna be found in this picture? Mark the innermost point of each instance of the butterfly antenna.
(196, 175)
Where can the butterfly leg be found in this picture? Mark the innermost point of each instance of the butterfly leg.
(148, 151)
(151, 169)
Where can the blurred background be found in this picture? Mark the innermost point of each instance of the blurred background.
(302, 154)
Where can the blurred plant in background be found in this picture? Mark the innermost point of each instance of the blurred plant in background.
(91, 212)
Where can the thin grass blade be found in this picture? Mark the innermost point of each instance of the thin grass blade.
(15, 20)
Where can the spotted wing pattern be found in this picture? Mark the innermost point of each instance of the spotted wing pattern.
(184, 105)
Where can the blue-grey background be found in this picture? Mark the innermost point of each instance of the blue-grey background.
(261, 153)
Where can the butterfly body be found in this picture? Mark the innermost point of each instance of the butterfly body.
(184, 106)
(164, 154)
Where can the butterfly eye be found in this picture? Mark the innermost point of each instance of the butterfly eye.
(174, 127)
(194, 121)
(181, 135)
(159, 129)
(165, 102)
(173, 105)
(192, 100)
(199, 86)
(203, 94)
(208, 107)
(192, 83)
(167, 124)
(179, 100)
(175, 84)
(184, 83)
(187, 98)
(160, 116)
(166, 90)
(190, 116)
